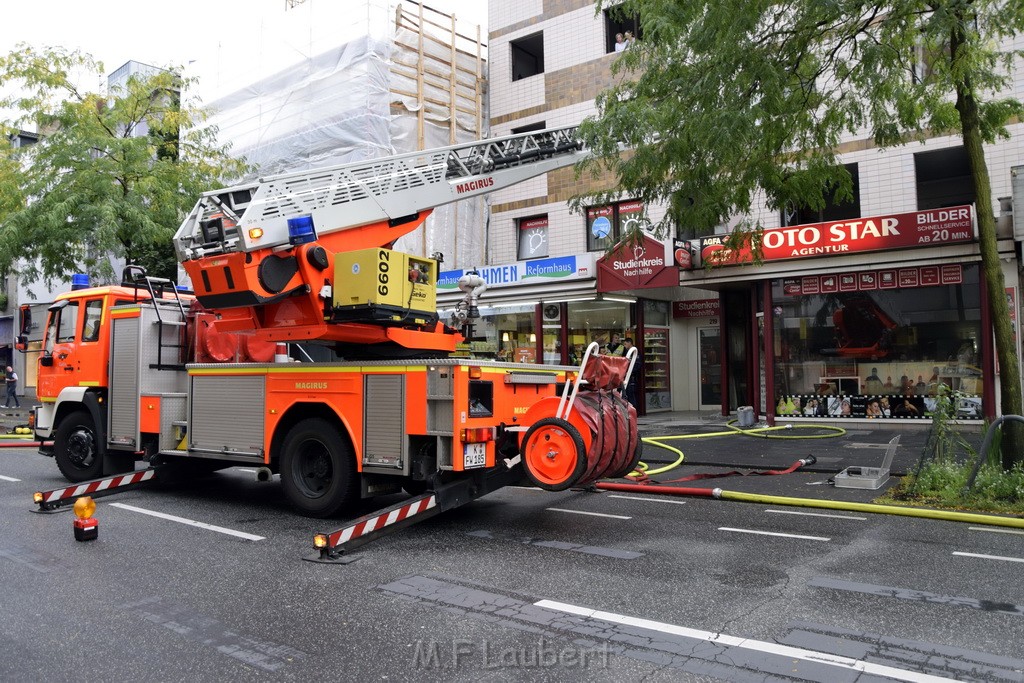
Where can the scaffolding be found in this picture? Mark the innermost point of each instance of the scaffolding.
(401, 78)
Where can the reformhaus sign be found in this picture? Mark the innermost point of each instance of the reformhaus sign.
(535, 271)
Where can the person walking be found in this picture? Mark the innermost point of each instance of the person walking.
(12, 388)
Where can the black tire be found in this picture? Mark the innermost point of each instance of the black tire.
(75, 448)
(318, 469)
(541, 431)
(415, 487)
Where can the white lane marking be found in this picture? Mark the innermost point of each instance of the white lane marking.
(991, 557)
(813, 514)
(649, 500)
(773, 533)
(592, 514)
(8, 478)
(528, 488)
(190, 522)
(747, 643)
(996, 530)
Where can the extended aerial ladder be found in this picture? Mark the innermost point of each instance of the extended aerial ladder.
(267, 255)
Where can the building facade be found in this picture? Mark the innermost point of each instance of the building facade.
(847, 319)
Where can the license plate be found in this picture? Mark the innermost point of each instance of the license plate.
(475, 455)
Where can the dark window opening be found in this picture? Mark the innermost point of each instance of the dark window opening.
(481, 398)
(943, 178)
(527, 56)
(529, 128)
(833, 210)
(617, 25)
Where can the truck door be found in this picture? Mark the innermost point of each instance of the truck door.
(60, 363)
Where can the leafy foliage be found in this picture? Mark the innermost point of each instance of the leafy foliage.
(723, 100)
(112, 174)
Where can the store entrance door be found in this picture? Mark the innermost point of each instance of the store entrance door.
(709, 342)
(736, 315)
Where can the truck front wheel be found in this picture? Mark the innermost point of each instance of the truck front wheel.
(75, 448)
(318, 469)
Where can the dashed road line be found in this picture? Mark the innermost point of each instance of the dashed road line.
(990, 557)
(996, 530)
(648, 500)
(591, 514)
(190, 522)
(774, 533)
(814, 514)
(2, 477)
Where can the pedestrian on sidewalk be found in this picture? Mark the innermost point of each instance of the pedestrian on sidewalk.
(12, 388)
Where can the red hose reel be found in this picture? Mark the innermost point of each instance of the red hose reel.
(586, 435)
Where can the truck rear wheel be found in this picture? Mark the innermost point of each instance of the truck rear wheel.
(75, 448)
(318, 469)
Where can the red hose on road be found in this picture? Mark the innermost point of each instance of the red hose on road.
(20, 444)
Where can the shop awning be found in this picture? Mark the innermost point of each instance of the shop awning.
(572, 289)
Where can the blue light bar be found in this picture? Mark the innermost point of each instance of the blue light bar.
(301, 230)
(79, 281)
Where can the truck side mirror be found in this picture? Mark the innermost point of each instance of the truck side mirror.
(24, 327)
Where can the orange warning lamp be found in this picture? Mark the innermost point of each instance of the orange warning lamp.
(85, 525)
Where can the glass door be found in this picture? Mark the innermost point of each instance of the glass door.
(710, 370)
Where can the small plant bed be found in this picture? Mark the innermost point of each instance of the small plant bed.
(942, 478)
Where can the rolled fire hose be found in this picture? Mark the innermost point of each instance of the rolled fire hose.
(597, 440)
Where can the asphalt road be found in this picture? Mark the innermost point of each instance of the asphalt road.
(518, 586)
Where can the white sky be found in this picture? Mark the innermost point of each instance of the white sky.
(171, 33)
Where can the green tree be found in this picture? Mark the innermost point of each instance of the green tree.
(112, 175)
(723, 101)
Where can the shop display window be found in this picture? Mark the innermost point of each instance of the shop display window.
(878, 344)
(657, 370)
(599, 321)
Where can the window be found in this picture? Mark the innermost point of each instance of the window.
(853, 347)
(529, 128)
(527, 56)
(533, 237)
(943, 178)
(607, 224)
(61, 325)
(833, 211)
(616, 25)
(91, 323)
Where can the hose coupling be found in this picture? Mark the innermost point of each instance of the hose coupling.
(809, 460)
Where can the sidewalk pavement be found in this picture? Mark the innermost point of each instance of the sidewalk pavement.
(862, 443)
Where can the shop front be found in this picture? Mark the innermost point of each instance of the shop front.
(539, 311)
(870, 319)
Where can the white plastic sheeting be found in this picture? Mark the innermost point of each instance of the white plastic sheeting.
(288, 101)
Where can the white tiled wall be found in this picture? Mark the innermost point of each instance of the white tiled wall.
(502, 13)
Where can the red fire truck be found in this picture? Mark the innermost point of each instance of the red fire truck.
(309, 348)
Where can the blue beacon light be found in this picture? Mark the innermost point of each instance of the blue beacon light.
(301, 230)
